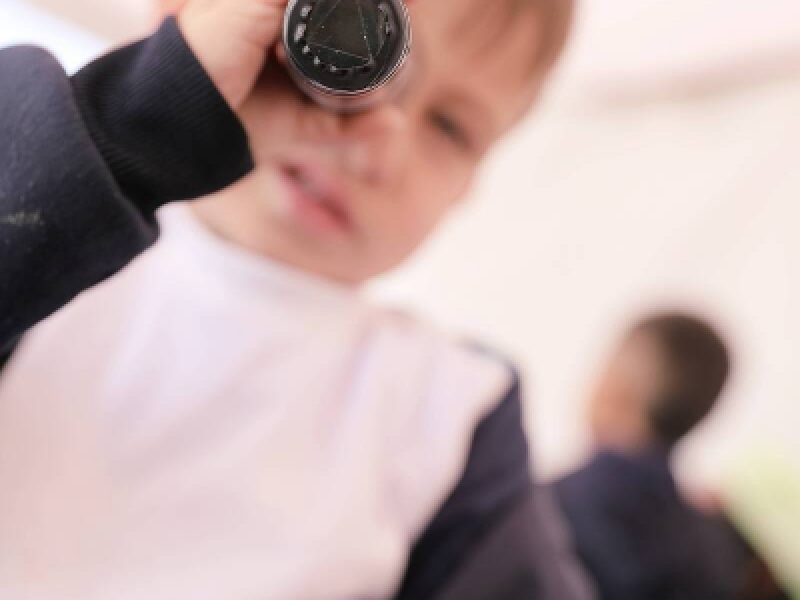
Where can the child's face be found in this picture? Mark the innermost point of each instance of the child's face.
(628, 386)
(349, 197)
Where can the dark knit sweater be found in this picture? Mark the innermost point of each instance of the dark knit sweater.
(85, 161)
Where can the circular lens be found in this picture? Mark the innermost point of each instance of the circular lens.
(346, 49)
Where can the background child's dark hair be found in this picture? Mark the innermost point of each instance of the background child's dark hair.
(697, 365)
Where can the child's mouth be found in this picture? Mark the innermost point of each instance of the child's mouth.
(316, 200)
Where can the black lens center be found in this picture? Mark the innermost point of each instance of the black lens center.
(347, 45)
(346, 34)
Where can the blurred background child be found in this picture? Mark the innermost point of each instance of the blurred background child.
(630, 524)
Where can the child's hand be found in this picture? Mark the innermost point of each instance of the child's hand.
(231, 39)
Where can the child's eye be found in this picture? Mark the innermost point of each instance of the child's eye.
(452, 129)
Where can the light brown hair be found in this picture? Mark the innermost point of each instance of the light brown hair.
(495, 17)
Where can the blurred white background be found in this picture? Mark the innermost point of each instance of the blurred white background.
(660, 170)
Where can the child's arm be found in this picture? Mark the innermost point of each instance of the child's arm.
(4, 357)
(86, 161)
(523, 554)
(499, 535)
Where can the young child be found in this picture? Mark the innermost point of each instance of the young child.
(637, 535)
(227, 417)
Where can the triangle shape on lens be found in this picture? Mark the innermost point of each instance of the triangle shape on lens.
(341, 32)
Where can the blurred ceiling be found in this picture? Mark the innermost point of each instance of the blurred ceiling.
(636, 38)
(622, 50)
(640, 49)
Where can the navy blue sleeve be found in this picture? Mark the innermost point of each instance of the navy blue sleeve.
(86, 161)
(525, 555)
(470, 545)
(497, 472)
(4, 358)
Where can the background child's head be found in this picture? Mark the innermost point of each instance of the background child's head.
(351, 196)
(664, 379)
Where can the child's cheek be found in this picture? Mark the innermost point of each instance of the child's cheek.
(270, 118)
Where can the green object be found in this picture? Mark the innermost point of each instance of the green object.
(763, 498)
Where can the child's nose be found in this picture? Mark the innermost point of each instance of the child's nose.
(379, 143)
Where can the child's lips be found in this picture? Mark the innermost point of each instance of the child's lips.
(317, 198)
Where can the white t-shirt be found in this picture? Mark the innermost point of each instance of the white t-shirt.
(208, 425)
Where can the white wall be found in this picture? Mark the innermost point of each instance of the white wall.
(631, 41)
(660, 172)
(587, 217)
